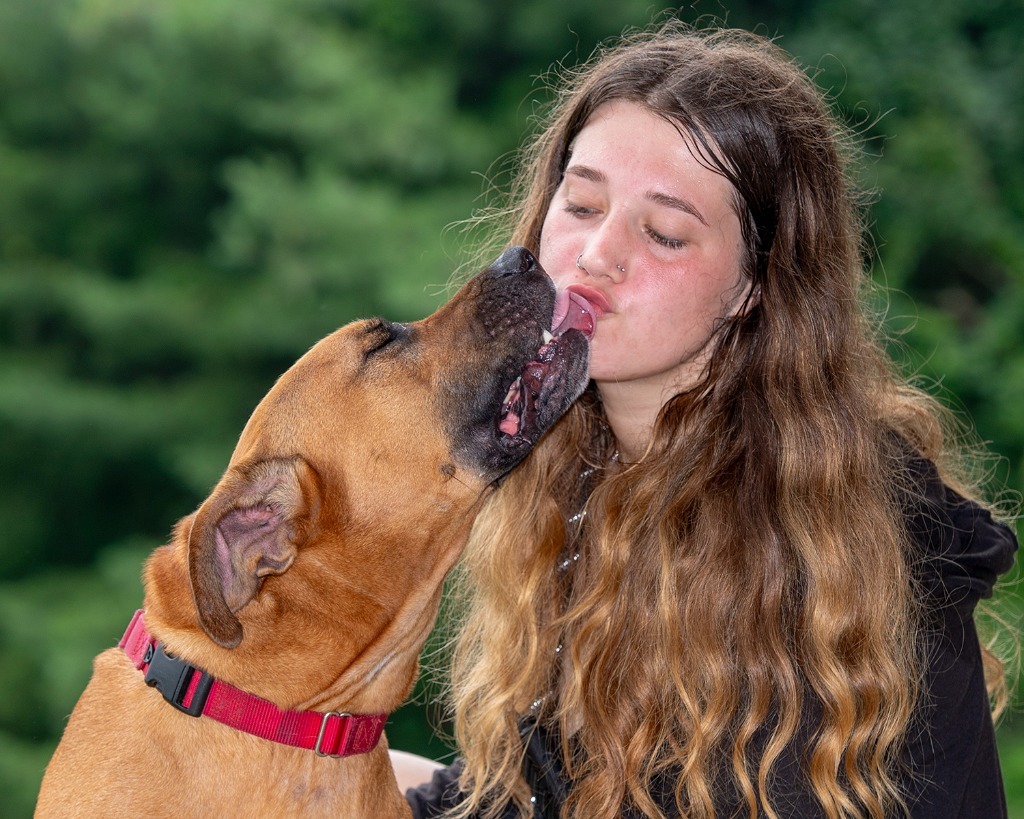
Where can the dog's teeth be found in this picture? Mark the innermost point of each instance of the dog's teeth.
(547, 336)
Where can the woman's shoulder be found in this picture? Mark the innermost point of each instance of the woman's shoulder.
(958, 548)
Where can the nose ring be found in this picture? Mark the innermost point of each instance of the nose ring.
(618, 267)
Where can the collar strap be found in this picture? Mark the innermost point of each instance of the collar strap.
(193, 691)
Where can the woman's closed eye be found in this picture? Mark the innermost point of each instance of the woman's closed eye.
(662, 239)
(579, 210)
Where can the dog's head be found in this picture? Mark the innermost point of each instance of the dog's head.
(383, 436)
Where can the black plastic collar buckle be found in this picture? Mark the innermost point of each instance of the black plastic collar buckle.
(171, 677)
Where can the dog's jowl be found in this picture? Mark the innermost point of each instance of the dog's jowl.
(284, 619)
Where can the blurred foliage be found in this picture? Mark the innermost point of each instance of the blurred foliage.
(193, 191)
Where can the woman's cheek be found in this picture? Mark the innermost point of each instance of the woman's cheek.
(556, 240)
(555, 264)
(547, 231)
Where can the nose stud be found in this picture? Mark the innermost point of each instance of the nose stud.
(620, 268)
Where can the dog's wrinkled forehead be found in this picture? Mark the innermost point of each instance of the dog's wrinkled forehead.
(431, 389)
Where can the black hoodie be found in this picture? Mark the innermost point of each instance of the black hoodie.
(950, 759)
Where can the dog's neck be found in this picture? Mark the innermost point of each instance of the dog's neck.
(349, 669)
(362, 658)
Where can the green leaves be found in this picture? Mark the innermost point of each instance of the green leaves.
(193, 191)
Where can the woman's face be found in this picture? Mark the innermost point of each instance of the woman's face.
(660, 245)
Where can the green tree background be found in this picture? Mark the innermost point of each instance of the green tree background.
(193, 191)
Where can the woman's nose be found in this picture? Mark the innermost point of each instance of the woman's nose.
(604, 252)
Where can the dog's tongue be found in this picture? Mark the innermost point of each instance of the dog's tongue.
(572, 312)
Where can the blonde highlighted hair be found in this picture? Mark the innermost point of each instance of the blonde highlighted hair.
(754, 565)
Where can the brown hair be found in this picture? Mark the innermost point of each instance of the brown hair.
(754, 565)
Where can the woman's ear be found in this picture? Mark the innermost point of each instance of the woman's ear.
(748, 296)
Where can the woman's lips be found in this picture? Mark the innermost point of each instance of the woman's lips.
(578, 308)
(596, 298)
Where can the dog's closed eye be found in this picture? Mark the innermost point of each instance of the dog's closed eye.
(379, 333)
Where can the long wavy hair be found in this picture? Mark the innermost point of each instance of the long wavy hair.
(753, 567)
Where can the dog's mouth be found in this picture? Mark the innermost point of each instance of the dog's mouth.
(537, 396)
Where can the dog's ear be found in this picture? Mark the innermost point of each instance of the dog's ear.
(249, 527)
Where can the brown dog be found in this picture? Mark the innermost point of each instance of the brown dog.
(312, 574)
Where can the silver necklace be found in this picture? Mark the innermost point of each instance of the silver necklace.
(571, 559)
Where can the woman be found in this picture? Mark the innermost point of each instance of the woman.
(738, 578)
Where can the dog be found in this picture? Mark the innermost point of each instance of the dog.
(284, 619)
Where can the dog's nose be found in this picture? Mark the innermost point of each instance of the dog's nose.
(514, 261)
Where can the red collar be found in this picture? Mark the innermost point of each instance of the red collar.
(195, 692)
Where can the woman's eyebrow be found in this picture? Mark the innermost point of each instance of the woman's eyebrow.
(586, 172)
(678, 204)
(663, 199)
